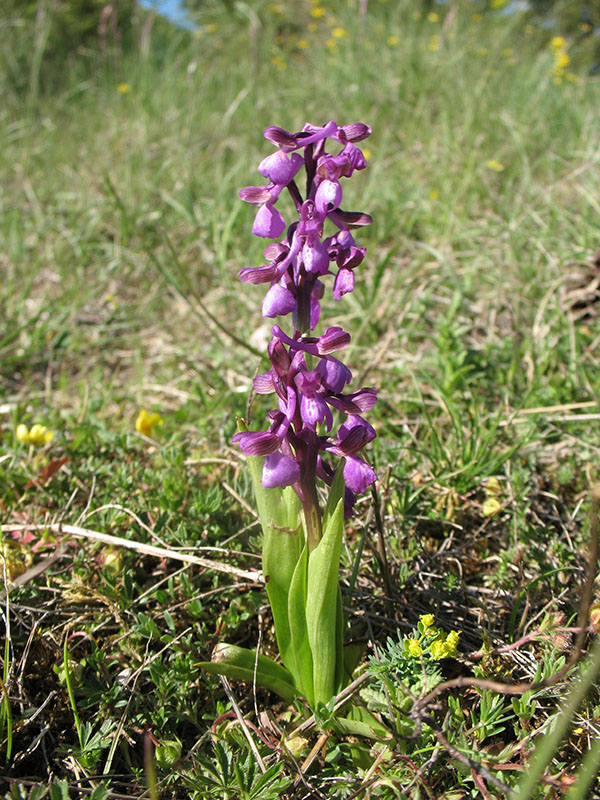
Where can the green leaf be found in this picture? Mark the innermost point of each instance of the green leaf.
(322, 614)
(239, 663)
(300, 657)
(360, 722)
(336, 493)
(352, 656)
(283, 540)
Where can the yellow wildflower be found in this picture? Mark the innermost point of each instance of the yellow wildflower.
(481, 51)
(427, 620)
(498, 3)
(211, 27)
(434, 44)
(557, 43)
(312, 27)
(38, 435)
(507, 52)
(434, 194)
(332, 45)
(317, 12)
(529, 29)
(302, 44)
(275, 8)
(393, 41)
(366, 153)
(497, 166)
(123, 88)
(477, 17)
(433, 17)
(279, 63)
(145, 422)
(451, 643)
(437, 650)
(339, 33)
(413, 648)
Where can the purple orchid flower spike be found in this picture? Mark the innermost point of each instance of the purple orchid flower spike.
(309, 382)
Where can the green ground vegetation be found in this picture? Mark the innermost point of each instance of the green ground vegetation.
(475, 313)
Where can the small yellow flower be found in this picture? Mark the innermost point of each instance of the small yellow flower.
(211, 27)
(427, 620)
(392, 41)
(366, 153)
(434, 44)
(451, 643)
(562, 61)
(434, 194)
(339, 33)
(145, 422)
(529, 29)
(311, 27)
(507, 52)
(433, 17)
(498, 3)
(557, 43)
(279, 63)
(437, 650)
(275, 8)
(481, 51)
(317, 12)
(302, 44)
(332, 45)
(477, 17)
(413, 648)
(497, 166)
(123, 88)
(38, 435)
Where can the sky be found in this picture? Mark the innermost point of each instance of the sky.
(169, 8)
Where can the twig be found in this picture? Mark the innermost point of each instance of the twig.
(140, 547)
(243, 725)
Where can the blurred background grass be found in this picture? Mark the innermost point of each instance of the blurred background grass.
(124, 143)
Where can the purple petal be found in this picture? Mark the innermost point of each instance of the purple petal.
(257, 195)
(328, 194)
(365, 398)
(263, 383)
(353, 435)
(260, 443)
(268, 223)
(333, 339)
(358, 475)
(356, 131)
(315, 311)
(343, 284)
(264, 274)
(315, 257)
(280, 137)
(316, 134)
(353, 421)
(279, 470)
(278, 300)
(279, 167)
(314, 410)
(334, 374)
(349, 219)
(279, 357)
(356, 159)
